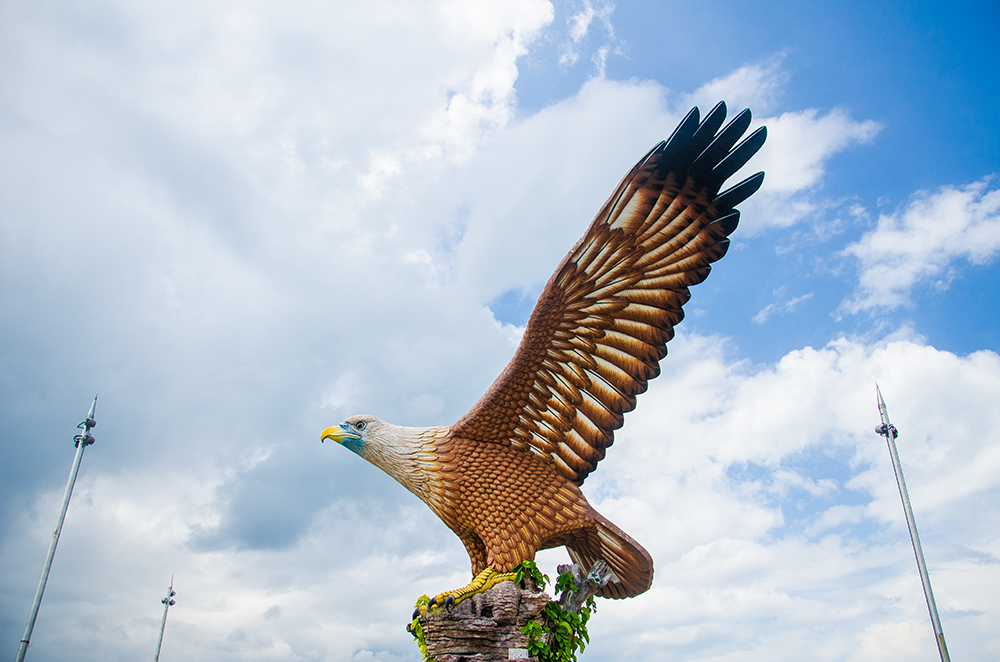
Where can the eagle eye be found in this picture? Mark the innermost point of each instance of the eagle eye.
(360, 425)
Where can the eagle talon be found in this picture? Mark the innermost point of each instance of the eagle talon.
(481, 583)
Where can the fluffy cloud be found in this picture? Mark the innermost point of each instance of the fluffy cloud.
(802, 141)
(763, 494)
(767, 499)
(921, 243)
(799, 144)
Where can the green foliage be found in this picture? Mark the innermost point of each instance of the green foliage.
(564, 582)
(417, 630)
(530, 570)
(565, 631)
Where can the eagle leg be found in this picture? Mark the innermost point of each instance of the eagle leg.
(481, 583)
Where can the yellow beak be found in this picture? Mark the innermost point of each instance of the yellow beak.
(338, 433)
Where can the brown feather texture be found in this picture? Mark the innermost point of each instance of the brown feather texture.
(506, 477)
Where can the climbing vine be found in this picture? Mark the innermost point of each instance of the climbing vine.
(417, 630)
(528, 570)
(565, 630)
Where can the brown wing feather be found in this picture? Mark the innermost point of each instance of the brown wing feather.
(600, 327)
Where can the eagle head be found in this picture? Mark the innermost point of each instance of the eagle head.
(393, 449)
(355, 434)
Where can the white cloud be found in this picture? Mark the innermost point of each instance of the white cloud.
(580, 22)
(891, 641)
(921, 243)
(799, 144)
(785, 307)
(579, 25)
(484, 100)
(774, 562)
(757, 86)
(741, 571)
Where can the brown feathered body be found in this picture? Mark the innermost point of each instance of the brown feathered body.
(506, 477)
(502, 503)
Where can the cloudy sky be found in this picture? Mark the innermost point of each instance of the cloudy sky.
(241, 222)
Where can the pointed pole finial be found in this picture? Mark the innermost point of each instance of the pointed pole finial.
(886, 428)
(91, 422)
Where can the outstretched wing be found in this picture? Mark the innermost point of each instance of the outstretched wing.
(600, 327)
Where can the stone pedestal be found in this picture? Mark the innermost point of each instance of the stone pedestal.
(486, 627)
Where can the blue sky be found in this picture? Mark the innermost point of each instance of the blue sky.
(241, 224)
(909, 68)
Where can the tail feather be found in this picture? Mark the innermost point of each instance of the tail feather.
(630, 562)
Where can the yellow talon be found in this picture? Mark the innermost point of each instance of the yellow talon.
(481, 583)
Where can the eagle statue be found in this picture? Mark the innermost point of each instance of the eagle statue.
(506, 477)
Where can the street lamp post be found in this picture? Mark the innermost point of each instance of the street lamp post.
(168, 602)
(82, 441)
(888, 430)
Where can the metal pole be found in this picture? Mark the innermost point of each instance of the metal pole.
(82, 441)
(168, 602)
(889, 431)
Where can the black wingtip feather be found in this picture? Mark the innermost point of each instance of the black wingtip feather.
(706, 132)
(703, 167)
(729, 198)
(684, 130)
(675, 151)
(740, 155)
(724, 246)
(728, 222)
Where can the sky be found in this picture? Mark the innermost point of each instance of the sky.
(242, 222)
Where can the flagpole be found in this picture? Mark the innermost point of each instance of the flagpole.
(888, 430)
(82, 441)
(168, 602)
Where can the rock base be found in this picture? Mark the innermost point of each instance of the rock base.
(486, 627)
